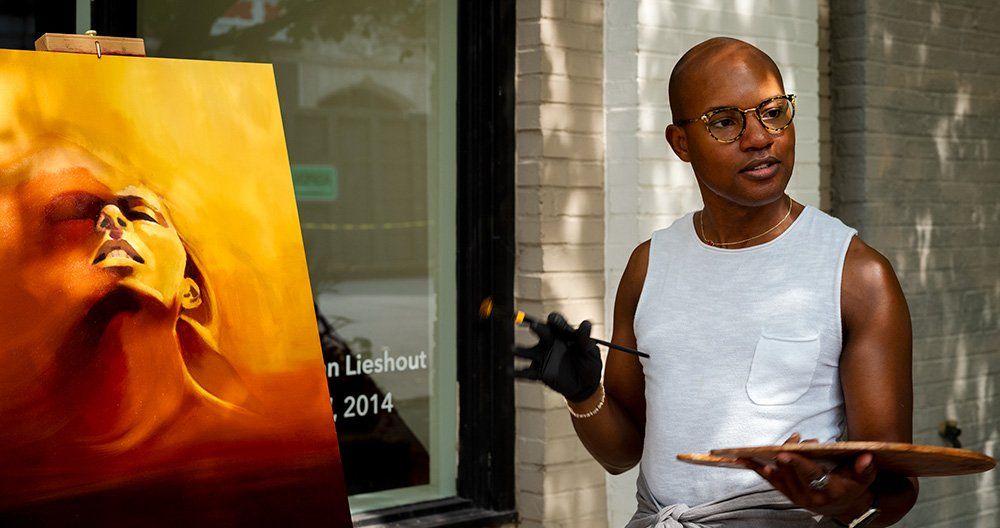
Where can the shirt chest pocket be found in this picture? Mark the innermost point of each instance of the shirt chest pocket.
(782, 368)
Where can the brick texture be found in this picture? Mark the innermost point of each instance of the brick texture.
(560, 240)
(916, 159)
(825, 104)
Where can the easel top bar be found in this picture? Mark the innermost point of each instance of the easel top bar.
(91, 44)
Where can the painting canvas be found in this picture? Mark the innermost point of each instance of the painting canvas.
(161, 360)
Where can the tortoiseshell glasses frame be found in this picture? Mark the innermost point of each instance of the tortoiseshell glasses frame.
(720, 114)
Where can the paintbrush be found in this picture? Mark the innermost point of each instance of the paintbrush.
(521, 318)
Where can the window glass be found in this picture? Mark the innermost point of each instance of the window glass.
(367, 94)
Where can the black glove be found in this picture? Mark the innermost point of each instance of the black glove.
(565, 359)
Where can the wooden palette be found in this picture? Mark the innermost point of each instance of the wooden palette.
(911, 460)
(711, 460)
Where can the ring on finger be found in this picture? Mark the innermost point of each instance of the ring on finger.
(820, 482)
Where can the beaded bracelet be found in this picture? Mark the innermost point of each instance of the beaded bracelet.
(596, 410)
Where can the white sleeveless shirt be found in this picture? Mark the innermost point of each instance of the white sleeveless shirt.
(744, 349)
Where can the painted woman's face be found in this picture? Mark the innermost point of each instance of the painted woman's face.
(75, 236)
(68, 238)
(138, 242)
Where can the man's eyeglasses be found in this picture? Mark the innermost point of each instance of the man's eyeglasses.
(728, 124)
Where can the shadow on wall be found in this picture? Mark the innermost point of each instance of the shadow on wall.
(560, 228)
(930, 204)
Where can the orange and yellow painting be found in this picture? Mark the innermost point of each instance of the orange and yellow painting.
(160, 358)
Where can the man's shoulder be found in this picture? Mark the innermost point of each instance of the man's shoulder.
(868, 279)
(638, 262)
(865, 266)
(641, 252)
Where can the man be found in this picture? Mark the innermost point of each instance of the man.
(765, 320)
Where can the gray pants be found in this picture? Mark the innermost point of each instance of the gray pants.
(760, 507)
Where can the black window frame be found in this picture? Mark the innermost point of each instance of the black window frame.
(485, 265)
(49, 16)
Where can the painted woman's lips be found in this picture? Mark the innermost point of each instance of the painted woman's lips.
(762, 168)
(117, 249)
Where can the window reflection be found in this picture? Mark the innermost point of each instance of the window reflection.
(360, 96)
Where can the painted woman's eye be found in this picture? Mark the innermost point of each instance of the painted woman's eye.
(73, 206)
(140, 214)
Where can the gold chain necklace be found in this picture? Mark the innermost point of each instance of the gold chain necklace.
(701, 220)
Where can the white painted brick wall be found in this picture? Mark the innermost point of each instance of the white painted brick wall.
(646, 186)
(917, 171)
(560, 240)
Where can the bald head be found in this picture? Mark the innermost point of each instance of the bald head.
(714, 55)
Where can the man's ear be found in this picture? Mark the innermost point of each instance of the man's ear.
(677, 139)
(190, 294)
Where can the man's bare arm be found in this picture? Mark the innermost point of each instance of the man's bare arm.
(876, 367)
(614, 436)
